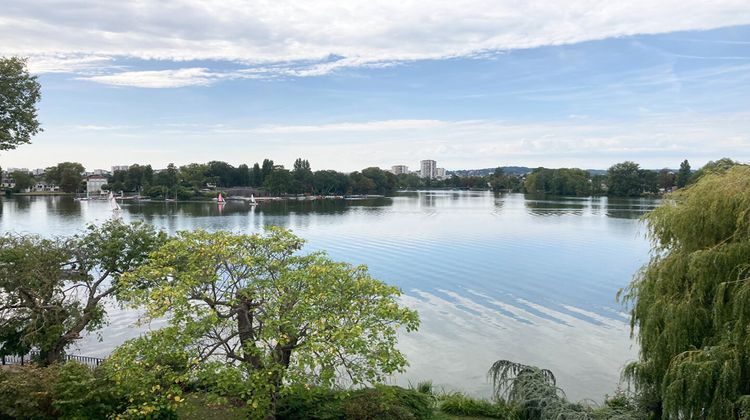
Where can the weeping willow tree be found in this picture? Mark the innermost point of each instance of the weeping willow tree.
(535, 395)
(690, 305)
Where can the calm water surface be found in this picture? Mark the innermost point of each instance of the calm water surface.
(525, 278)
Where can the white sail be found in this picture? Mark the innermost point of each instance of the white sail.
(252, 199)
(113, 204)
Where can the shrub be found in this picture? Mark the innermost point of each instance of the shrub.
(460, 405)
(387, 402)
(363, 404)
(300, 402)
(27, 392)
(80, 394)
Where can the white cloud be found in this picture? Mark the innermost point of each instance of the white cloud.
(362, 33)
(194, 76)
(91, 127)
(384, 125)
(75, 63)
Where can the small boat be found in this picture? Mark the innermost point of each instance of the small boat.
(252, 200)
(87, 198)
(113, 204)
(220, 199)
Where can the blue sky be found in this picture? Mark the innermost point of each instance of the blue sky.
(471, 83)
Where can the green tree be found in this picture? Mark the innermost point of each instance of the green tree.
(649, 181)
(720, 166)
(500, 181)
(683, 175)
(412, 181)
(266, 170)
(256, 176)
(277, 316)
(53, 289)
(666, 179)
(279, 181)
(243, 176)
(328, 182)
(193, 175)
(563, 181)
(138, 177)
(691, 302)
(66, 175)
(19, 95)
(303, 176)
(624, 180)
(23, 181)
(224, 173)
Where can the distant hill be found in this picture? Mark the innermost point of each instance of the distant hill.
(511, 170)
(523, 170)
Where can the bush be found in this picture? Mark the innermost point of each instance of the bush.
(460, 405)
(27, 392)
(80, 394)
(387, 402)
(299, 402)
(363, 404)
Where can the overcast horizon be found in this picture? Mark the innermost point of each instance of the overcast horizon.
(471, 84)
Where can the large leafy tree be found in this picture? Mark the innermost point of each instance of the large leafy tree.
(625, 179)
(563, 181)
(51, 290)
(330, 182)
(277, 316)
(278, 182)
(67, 175)
(23, 180)
(691, 302)
(19, 95)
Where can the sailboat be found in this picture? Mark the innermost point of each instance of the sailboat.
(252, 200)
(113, 204)
(220, 199)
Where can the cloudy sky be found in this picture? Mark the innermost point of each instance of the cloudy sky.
(470, 83)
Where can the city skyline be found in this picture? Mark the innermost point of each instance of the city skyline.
(586, 85)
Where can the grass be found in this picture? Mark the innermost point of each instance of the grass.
(439, 415)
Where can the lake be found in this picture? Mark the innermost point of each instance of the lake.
(493, 276)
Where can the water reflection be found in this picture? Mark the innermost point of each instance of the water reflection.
(528, 278)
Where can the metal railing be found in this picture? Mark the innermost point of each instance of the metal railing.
(91, 362)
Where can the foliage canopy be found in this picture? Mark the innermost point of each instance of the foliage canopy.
(255, 303)
(19, 95)
(51, 290)
(691, 302)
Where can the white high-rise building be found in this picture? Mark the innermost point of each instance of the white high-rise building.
(429, 169)
(399, 169)
(440, 173)
(120, 168)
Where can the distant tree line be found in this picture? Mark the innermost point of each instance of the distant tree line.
(625, 179)
(185, 181)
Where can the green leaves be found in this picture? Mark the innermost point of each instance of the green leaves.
(53, 289)
(278, 315)
(19, 95)
(690, 303)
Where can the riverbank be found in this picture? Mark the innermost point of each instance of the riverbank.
(43, 193)
(258, 200)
